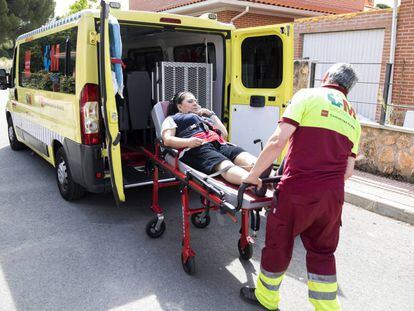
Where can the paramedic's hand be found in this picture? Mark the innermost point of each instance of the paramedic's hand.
(194, 142)
(253, 180)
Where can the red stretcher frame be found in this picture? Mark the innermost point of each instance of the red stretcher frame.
(156, 227)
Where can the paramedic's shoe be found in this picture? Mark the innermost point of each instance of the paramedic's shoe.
(248, 295)
(261, 192)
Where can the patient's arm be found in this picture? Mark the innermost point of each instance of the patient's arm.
(220, 126)
(170, 140)
(210, 114)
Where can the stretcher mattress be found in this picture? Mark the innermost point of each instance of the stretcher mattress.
(250, 201)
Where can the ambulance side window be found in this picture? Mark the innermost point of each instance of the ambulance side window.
(196, 53)
(262, 62)
(48, 63)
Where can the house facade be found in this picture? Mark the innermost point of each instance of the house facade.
(260, 12)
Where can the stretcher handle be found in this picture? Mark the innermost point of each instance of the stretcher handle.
(242, 189)
(228, 208)
(271, 180)
(167, 149)
(244, 186)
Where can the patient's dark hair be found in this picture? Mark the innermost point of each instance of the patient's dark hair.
(174, 102)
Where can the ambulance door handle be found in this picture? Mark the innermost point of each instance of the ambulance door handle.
(257, 101)
(117, 139)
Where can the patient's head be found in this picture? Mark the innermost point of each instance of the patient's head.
(184, 102)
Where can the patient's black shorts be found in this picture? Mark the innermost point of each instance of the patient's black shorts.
(208, 155)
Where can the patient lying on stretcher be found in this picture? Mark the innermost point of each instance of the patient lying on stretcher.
(200, 137)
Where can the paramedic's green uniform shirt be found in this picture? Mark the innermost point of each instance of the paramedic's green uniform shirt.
(327, 133)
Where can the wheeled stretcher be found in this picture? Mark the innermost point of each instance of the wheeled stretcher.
(216, 194)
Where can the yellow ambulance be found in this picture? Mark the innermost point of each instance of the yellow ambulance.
(85, 109)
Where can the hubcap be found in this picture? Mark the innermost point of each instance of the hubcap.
(11, 133)
(62, 173)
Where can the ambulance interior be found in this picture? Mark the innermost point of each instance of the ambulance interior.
(145, 48)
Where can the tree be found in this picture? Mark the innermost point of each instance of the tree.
(20, 16)
(80, 5)
(382, 6)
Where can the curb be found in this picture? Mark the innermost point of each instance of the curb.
(392, 210)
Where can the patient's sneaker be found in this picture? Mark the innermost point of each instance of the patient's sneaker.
(248, 295)
(260, 192)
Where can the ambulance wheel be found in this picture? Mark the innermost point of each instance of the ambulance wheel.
(189, 265)
(200, 222)
(68, 188)
(14, 143)
(151, 229)
(247, 252)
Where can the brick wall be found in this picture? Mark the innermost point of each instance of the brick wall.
(403, 91)
(343, 6)
(355, 21)
(251, 20)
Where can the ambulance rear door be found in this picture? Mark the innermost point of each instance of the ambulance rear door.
(261, 83)
(109, 111)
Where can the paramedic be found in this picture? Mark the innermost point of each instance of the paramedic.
(324, 137)
(200, 135)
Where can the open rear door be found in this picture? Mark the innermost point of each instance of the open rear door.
(110, 113)
(261, 82)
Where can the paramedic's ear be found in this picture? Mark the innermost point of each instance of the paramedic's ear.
(325, 77)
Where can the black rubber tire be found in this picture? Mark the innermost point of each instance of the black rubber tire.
(247, 252)
(14, 143)
(198, 222)
(189, 266)
(151, 231)
(68, 189)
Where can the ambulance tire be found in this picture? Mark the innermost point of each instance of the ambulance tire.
(151, 230)
(189, 265)
(68, 189)
(14, 143)
(247, 252)
(199, 222)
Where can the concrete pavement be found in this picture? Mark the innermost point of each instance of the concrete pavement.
(381, 195)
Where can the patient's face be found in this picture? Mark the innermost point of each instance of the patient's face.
(189, 104)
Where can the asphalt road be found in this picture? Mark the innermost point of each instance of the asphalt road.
(89, 255)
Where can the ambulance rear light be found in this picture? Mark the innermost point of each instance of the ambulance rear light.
(89, 114)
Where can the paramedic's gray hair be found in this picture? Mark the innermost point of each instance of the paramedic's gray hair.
(342, 74)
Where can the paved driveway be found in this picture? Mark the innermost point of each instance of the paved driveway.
(89, 255)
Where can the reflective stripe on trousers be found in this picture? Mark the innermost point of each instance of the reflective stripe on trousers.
(323, 291)
(267, 289)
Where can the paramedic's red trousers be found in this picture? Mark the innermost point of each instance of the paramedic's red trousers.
(316, 217)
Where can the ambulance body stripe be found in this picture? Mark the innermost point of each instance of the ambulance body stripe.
(37, 131)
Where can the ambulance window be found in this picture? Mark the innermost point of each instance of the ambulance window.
(48, 63)
(144, 59)
(262, 62)
(196, 53)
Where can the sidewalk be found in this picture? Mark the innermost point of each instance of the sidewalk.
(381, 195)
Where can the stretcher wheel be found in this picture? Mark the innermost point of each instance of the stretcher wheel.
(189, 266)
(247, 252)
(151, 229)
(200, 222)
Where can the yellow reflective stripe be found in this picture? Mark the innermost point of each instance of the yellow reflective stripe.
(268, 298)
(322, 287)
(325, 305)
(275, 280)
(272, 275)
(269, 286)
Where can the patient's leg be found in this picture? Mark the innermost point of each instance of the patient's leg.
(233, 175)
(245, 160)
